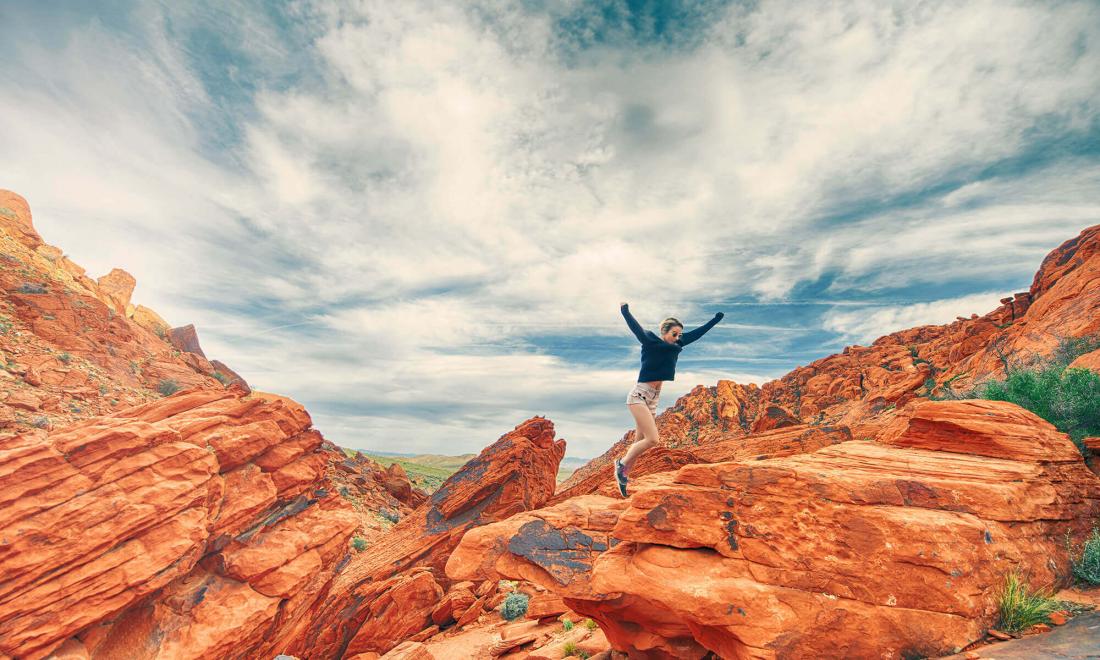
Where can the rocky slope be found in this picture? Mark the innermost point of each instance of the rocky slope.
(892, 547)
(851, 389)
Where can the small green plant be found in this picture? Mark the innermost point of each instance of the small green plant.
(359, 543)
(345, 493)
(590, 624)
(569, 650)
(1086, 568)
(389, 514)
(168, 386)
(566, 625)
(31, 287)
(102, 390)
(135, 368)
(221, 378)
(42, 422)
(65, 357)
(583, 655)
(514, 606)
(1022, 608)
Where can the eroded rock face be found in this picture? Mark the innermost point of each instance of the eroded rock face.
(879, 548)
(179, 528)
(517, 473)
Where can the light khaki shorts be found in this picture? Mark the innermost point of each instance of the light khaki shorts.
(644, 393)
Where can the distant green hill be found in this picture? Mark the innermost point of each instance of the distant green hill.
(429, 471)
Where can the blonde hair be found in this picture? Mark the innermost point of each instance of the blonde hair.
(670, 323)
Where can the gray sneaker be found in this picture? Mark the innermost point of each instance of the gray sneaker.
(620, 477)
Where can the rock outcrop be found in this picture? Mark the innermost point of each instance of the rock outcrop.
(392, 591)
(198, 525)
(78, 346)
(883, 548)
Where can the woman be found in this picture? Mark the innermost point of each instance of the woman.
(658, 364)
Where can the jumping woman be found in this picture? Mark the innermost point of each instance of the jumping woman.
(658, 364)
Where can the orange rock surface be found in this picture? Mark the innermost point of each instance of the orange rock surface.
(881, 548)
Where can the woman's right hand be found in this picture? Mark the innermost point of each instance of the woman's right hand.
(622, 304)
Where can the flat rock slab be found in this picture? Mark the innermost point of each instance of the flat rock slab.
(1079, 638)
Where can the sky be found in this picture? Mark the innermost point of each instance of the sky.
(419, 218)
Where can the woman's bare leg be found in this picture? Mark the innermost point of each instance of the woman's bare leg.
(648, 437)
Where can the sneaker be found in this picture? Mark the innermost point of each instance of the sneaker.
(620, 477)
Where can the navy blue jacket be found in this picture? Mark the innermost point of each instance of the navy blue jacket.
(659, 356)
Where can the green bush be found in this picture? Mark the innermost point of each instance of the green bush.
(570, 649)
(359, 543)
(222, 378)
(1087, 567)
(168, 386)
(1067, 398)
(566, 625)
(1022, 608)
(590, 624)
(514, 606)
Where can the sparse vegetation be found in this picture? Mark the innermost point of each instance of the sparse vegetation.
(65, 357)
(566, 625)
(1086, 565)
(168, 386)
(590, 624)
(389, 514)
(222, 378)
(1067, 398)
(569, 650)
(42, 422)
(345, 493)
(359, 543)
(1020, 607)
(514, 606)
(31, 287)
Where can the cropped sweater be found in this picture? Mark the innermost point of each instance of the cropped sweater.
(659, 356)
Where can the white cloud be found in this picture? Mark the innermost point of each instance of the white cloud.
(869, 323)
(387, 199)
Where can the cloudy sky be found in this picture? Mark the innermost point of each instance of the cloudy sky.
(419, 218)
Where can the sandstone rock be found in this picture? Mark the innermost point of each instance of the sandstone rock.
(867, 545)
(115, 289)
(409, 651)
(15, 219)
(186, 339)
(150, 320)
(1087, 361)
(234, 377)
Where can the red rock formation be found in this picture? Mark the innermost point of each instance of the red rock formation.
(76, 345)
(516, 473)
(875, 548)
(196, 525)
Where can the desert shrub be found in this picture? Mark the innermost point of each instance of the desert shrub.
(31, 287)
(168, 386)
(1067, 398)
(566, 625)
(1022, 608)
(389, 514)
(359, 543)
(514, 606)
(570, 649)
(1086, 568)
(1070, 348)
(345, 493)
(42, 422)
(221, 378)
(65, 357)
(590, 624)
